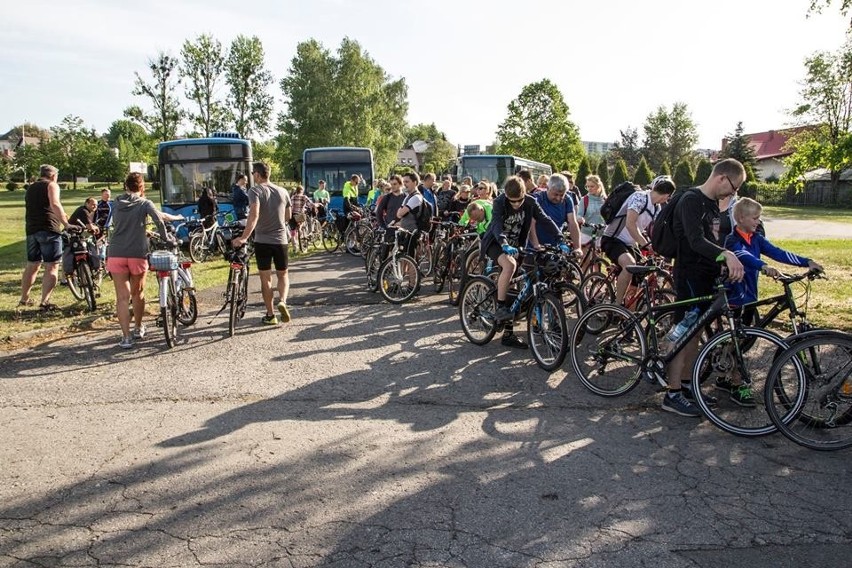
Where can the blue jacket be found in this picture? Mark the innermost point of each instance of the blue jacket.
(745, 291)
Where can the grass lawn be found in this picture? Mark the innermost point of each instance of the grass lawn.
(14, 321)
(808, 213)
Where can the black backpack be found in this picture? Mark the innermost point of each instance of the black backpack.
(663, 238)
(612, 204)
(422, 214)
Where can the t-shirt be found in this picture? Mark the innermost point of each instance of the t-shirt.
(272, 202)
(83, 214)
(412, 201)
(696, 225)
(321, 195)
(558, 212)
(640, 202)
(590, 213)
(482, 226)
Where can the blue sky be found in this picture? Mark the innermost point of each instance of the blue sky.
(464, 61)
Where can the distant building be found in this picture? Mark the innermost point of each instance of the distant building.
(770, 150)
(408, 158)
(597, 147)
(11, 140)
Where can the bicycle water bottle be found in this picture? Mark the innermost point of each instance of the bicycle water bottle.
(685, 324)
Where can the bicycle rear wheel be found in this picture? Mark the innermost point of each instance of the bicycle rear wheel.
(607, 348)
(198, 250)
(330, 237)
(477, 305)
(168, 313)
(234, 291)
(547, 331)
(441, 265)
(87, 286)
(719, 365)
(374, 262)
(808, 394)
(73, 283)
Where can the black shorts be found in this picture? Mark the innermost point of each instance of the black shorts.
(613, 248)
(494, 251)
(688, 286)
(265, 255)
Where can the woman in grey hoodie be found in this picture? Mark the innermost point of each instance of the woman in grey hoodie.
(127, 255)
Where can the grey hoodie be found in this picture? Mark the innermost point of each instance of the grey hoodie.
(129, 217)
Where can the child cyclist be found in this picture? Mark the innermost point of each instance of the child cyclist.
(748, 245)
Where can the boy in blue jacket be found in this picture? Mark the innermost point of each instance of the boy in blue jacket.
(747, 244)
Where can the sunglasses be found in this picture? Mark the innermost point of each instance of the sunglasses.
(518, 200)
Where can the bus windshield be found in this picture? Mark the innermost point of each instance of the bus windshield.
(335, 175)
(493, 168)
(183, 182)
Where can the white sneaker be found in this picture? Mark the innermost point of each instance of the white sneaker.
(126, 343)
(139, 332)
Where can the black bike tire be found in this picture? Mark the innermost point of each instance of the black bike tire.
(234, 307)
(87, 284)
(485, 292)
(384, 287)
(168, 312)
(72, 282)
(197, 248)
(550, 362)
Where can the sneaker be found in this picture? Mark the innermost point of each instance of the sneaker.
(725, 384)
(690, 396)
(742, 395)
(677, 403)
(285, 313)
(139, 332)
(126, 343)
(513, 341)
(269, 320)
(502, 314)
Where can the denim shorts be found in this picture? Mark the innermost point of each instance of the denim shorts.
(44, 246)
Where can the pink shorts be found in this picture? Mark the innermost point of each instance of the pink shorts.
(124, 265)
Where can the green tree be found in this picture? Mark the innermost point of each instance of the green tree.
(738, 146)
(78, 147)
(132, 141)
(342, 99)
(817, 6)
(665, 169)
(249, 99)
(603, 172)
(439, 152)
(683, 176)
(627, 148)
(538, 126)
(583, 170)
(826, 100)
(201, 69)
(702, 172)
(669, 135)
(643, 174)
(619, 173)
(161, 93)
(108, 166)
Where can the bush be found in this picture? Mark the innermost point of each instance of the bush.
(11, 186)
(63, 185)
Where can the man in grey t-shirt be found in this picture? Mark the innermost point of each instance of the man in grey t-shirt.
(269, 214)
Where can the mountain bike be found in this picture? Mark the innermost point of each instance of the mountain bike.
(206, 241)
(398, 276)
(164, 261)
(236, 290)
(80, 254)
(330, 235)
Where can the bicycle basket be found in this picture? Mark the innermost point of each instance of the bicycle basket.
(163, 260)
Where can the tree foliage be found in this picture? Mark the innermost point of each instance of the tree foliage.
(703, 171)
(345, 99)
(603, 172)
(627, 148)
(826, 100)
(249, 100)
(439, 153)
(684, 176)
(161, 93)
(134, 144)
(619, 173)
(538, 126)
(201, 69)
(583, 170)
(817, 6)
(738, 146)
(643, 174)
(669, 135)
(665, 169)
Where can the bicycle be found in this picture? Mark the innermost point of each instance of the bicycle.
(330, 235)
(532, 298)
(236, 289)
(398, 276)
(207, 241)
(163, 260)
(599, 288)
(808, 394)
(611, 350)
(359, 226)
(82, 253)
(449, 258)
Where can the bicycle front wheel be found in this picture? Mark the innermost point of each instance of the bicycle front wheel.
(607, 348)
(808, 395)
(234, 288)
(330, 237)
(168, 313)
(547, 331)
(735, 364)
(374, 262)
(399, 279)
(73, 283)
(198, 250)
(87, 284)
(477, 306)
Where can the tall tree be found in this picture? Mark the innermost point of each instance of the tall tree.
(164, 121)
(738, 146)
(439, 152)
(669, 135)
(683, 176)
(826, 100)
(817, 6)
(201, 69)
(538, 126)
(619, 173)
(627, 148)
(703, 171)
(79, 147)
(643, 174)
(665, 169)
(342, 99)
(249, 99)
(583, 170)
(603, 172)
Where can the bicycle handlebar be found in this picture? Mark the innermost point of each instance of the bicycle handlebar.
(811, 274)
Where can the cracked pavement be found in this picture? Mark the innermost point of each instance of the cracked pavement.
(369, 435)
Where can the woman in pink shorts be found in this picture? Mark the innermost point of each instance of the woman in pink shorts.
(127, 256)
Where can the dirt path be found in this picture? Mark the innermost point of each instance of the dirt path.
(810, 229)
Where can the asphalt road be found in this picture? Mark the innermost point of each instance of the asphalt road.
(367, 435)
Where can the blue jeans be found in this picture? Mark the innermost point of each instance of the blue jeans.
(44, 246)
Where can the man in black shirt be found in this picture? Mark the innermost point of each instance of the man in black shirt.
(697, 265)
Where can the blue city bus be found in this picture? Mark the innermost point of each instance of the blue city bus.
(186, 166)
(496, 168)
(336, 166)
